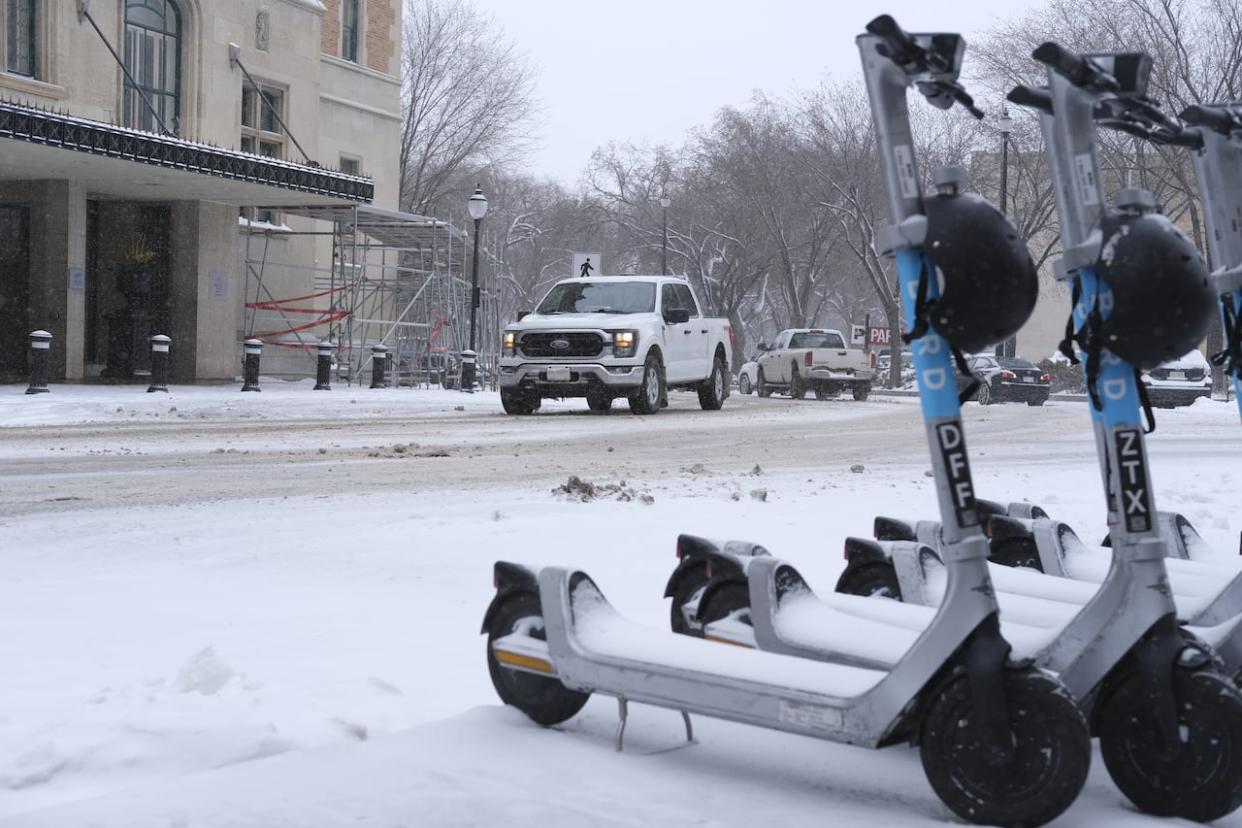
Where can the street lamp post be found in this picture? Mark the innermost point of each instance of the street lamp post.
(477, 206)
(664, 202)
(1009, 347)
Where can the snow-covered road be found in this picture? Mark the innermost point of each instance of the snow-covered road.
(263, 610)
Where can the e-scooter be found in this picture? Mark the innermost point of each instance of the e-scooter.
(1117, 645)
(1001, 742)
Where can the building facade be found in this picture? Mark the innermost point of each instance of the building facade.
(145, 143)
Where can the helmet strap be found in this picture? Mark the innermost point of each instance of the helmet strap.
(1088, 340)
(922, 324)
(1231, 356)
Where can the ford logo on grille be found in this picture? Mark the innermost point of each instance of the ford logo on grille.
(559, 344)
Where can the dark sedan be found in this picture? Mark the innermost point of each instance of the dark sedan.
(1007, 379)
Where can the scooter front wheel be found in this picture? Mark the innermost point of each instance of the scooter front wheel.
(1049, 762)
(1198, 779)
(543, 698)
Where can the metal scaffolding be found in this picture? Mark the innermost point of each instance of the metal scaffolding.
(395, 280)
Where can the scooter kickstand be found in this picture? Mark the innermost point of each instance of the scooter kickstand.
(623, 710)
(685, 717)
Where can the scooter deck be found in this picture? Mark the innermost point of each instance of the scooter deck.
(603, 634)
(1198, 592)
(829, 626)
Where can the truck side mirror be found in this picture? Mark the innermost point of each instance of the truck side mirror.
(522, 315)
(676, 316)
(763, 346)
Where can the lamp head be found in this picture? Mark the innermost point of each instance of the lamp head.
(477, 204)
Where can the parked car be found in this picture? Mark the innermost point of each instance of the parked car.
(1007, 379)
(815, 359)
(439, 368)
(747, 375)
(615, 336)
(1180, 381)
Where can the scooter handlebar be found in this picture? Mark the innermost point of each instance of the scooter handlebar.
(899, 46)
(1224, 119)
(1078, 70)
(1031, 97)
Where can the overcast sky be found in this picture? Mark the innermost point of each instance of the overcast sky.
(650, 70)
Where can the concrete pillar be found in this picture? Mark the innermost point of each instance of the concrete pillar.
(57, 271)
(205, 292)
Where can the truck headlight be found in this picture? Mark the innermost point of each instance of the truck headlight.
(509, 343)
(624, 343)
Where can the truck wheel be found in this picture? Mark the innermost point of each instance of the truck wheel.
(518, 402)
(743, 384)
(861, 392)
(797, 390)
(650, 396)
(712, 389)
(761, 386)
(597, 401)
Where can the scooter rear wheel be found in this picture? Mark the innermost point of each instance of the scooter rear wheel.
(1051, 752)
(692, 581)
(543, 698)
(1201, 779)
(728, 598)
(870, 580)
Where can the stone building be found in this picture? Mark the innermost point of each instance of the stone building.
(144, 143)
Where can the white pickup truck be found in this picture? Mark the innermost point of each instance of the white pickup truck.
(815, 359)
(615, 336)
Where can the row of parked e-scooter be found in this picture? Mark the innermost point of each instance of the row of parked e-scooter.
(1013, 642)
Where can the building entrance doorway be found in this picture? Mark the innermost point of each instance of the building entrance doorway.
(14, 291)
(127, 300)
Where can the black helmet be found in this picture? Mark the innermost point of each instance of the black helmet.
(987, 279)
(1162, 297)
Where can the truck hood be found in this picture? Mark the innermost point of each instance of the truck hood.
(580, 321)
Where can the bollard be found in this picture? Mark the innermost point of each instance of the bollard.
(323, 370)
(379, 366)
(40, 345)
(159, 363)
(250, 365)
(467, 371)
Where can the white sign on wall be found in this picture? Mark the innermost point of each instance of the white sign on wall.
(586, 265)
(217, 286)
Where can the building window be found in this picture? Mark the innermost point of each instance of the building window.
(261, 132)
(21, 42)
(349, 29)
(351, 166)
(153, 58)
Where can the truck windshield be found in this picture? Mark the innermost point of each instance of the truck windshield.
(814, 339)
(599, 297)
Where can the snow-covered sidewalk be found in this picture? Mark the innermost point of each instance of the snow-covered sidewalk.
(315, 659)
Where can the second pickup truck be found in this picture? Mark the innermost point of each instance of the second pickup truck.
(813, 359)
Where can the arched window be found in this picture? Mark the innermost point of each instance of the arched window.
(153, 58)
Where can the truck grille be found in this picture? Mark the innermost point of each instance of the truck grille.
(567, 344)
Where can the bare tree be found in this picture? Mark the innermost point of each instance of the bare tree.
(467, 99)
(1196, 46)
